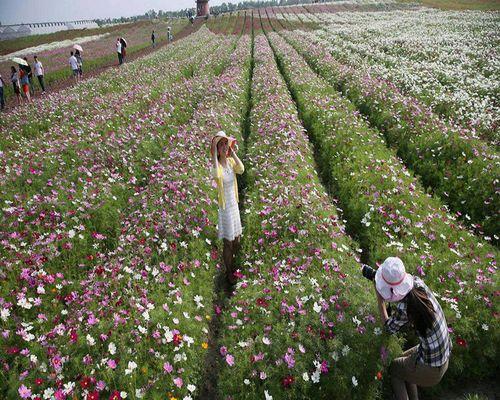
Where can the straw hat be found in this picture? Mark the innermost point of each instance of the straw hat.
(218, 137)
(392, 281)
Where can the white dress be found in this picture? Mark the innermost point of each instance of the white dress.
(229, 219)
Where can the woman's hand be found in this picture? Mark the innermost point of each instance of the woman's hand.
(232, 152)
(381, 305)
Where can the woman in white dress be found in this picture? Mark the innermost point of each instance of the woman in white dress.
(225, 166)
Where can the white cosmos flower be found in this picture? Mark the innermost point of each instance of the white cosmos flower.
(4, 314)
(130, 367)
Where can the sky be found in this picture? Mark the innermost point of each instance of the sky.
(18, 11)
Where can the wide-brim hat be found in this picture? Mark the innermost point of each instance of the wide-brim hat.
(218, 137)
(392, 281)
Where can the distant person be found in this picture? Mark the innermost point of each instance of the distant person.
(79, 61)
(124, 49)
(14, 78)
(73, 63)
(119, 51)
(153, 37)
(25, 83)
(2, 100)
(39, 72)
(29, 71)
(169, 34)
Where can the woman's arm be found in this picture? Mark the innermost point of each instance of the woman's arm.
(239, 168)
(398, 318)
(381, 308)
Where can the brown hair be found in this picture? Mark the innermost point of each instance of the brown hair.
(217, 148)
(420, 310)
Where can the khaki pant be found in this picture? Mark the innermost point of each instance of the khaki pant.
(406, 374)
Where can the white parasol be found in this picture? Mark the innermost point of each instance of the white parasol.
(78, 47)
(20, 61)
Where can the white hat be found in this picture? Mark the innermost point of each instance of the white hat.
(219, 136)
(392, 281)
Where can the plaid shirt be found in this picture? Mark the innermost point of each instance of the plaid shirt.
(435, 347)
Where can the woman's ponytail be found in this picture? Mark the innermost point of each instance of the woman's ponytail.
(420, 310)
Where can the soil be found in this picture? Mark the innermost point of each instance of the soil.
(486, 390)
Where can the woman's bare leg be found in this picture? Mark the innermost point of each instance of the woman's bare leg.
(227, 255)
(236, 246)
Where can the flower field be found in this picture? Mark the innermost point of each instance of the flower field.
(449, 65)
(110, 266)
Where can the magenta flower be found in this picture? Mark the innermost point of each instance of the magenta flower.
(24, 392)
(167, 367)
(230, 360)
(178, 382)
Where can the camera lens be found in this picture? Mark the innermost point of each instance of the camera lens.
(368, 272)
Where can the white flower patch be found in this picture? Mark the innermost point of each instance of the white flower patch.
(130, 367)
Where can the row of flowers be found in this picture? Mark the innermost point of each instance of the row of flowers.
(460, 169)
(98, 97)
(299, 324)
(94, 324)
(391, 214)
(446, 59)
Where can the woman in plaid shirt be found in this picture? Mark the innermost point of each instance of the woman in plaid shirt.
(425, 364)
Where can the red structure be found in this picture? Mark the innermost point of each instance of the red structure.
(202, 9)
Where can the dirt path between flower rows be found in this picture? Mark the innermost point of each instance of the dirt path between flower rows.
(222, 287)
(57, 86)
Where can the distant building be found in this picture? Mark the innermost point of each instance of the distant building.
(40, 28)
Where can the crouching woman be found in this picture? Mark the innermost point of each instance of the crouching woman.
(225, 166)
(425, 364)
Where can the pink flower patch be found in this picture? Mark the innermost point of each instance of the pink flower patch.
(230, 360)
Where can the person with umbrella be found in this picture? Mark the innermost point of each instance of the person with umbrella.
(119, 51)
(25, 82)
(124, 48)
(73, 63)
(79, 60)
(39, 72)
(14, 78)
(27, 68)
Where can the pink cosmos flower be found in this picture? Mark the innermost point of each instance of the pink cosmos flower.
(167, 367)
(178, 382)
(24, 392)
(60, 395)
(230, 360)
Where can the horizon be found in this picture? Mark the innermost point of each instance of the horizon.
(35, 11)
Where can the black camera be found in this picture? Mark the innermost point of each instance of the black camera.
(368, 272)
